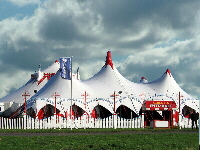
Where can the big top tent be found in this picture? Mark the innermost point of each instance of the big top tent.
(107, 93)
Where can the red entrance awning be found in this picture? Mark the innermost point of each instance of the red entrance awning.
(160, 105)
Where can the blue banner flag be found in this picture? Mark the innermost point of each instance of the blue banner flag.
(65, 67)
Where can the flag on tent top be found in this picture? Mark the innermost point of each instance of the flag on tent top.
(65, 67)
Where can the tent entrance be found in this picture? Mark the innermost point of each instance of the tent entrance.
(152, 117)
(125, 112)
(159, 114)
(100, 112)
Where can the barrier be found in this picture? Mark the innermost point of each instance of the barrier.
(82, 122)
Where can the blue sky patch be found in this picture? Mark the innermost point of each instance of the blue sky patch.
(8, 10)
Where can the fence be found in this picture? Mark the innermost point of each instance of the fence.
(186, 123)
(81, 122)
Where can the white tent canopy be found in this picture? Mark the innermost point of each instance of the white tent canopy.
(166, 88)
(37, 81)
(109, 89)
(31, 85)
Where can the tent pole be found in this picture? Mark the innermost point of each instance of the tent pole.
(55, 104)
(85, 100)
(71, 93)
(199, 124)
(55, 110)
(25, 95)
(114, 115)
(85, 111)
(179, 99)
(114, 103)
(55, 96)
(25, 116)
(179, 109)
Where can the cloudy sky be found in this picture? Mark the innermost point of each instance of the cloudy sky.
(145, 37)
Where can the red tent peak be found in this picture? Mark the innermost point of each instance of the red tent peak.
(143, 78)
(168, 71)
(109, 59)
(56, 61)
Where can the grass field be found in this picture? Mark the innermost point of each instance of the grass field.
(168, 139)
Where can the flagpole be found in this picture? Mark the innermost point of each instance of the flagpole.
(199, 124)
(25, 116)
(71, 92)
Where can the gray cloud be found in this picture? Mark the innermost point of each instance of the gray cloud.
(59, 27)
(145, 37)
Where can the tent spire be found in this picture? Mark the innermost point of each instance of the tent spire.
(168, 71)
(143, 80)
(109, 59)
(39, 67)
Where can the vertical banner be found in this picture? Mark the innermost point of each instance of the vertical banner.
(65, 67)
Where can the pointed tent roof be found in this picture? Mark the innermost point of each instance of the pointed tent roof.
(166, 88)
(143, 80)
(101, 87)
(62, 87)
(53, 68)
(31, 86)
(103, 84)
(166, 84)
(108, 80)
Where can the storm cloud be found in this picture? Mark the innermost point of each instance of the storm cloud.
(145, 37)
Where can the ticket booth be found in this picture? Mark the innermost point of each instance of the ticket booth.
(160, 114)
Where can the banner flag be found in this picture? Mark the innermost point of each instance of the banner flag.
(65, 67)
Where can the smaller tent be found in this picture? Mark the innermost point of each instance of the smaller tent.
(10, 103)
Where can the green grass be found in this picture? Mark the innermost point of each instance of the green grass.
(145, 141)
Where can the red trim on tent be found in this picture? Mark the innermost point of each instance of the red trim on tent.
(187, 116)
(143, 78)
(18, 111)
(176, 116)
(46, 75)
(94, 113)
(68, 114)
(168, 71)
(59, 114)
(40, 114)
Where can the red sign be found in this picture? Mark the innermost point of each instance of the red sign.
(160, 105)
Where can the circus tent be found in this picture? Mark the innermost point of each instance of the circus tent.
(166, 88)
(106, 93)
(10, 103)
